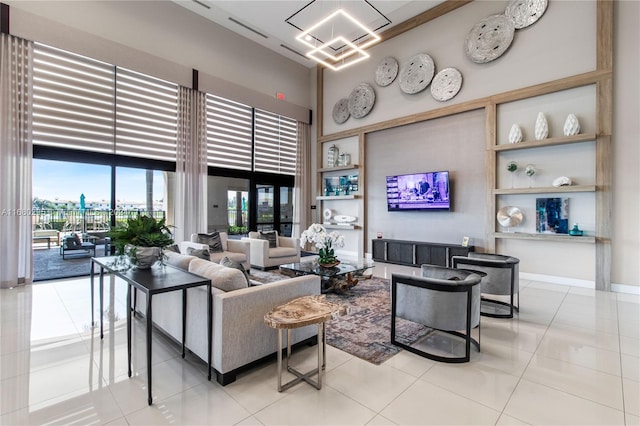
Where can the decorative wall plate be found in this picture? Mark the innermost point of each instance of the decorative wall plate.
(489, 39)
(446, 84)
(525, 12)
(361, 100)
(341, 111)
(327, 214)
(387, 71)
(509, 216)
(416, 73)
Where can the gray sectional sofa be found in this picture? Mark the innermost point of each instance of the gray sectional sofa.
(240, 337)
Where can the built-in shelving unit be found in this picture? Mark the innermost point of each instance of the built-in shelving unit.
(546, 142)
(337, 197)
(544, 237)
(339, 168)
(345, 226)
(545, 190)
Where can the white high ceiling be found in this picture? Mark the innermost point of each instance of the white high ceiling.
(269, 18)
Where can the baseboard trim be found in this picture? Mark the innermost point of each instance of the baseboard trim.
(574, 282)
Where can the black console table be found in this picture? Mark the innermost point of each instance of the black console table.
(416, 253)
(156, 280)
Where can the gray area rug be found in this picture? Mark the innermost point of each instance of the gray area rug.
(49, 265)
(366, 331)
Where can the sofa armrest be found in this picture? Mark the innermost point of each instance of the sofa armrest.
(240, 334)
(289, 242)
(259, 251)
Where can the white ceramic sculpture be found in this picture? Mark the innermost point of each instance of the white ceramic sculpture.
(571, 125)
(561, 181)
(515, 134)
(542, 127)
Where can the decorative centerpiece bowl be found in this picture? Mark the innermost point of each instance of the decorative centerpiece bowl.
(325, 242)
(142, 240)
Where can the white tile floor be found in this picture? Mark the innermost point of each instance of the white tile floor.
(571, 357)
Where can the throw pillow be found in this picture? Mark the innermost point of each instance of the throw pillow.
(212, 240)
(271, 236)
(173, 247)
(200, 253)
(225, 261)
(76, 237)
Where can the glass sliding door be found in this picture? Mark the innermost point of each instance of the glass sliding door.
(140, 192)
(265, 195)
(274, 208)
(286, 211)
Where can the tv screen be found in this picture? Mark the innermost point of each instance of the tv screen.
(418, 191)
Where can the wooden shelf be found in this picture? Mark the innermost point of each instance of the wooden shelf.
(338, 168)
(337, 197)
(546, 190)
(544, 237)
(585, 137)
(345, 226)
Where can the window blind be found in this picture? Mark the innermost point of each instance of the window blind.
(229, 133)
(275, 143)
(146, 116)
(73, 100)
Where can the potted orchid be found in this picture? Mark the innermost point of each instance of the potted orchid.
(325, 242)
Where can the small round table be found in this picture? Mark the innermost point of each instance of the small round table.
(300, 312)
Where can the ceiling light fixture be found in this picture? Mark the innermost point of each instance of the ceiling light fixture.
(348, 53)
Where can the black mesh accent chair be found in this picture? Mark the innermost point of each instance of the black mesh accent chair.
(446, 300)
(502, 279)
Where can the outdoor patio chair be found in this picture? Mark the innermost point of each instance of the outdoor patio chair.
(72, 244)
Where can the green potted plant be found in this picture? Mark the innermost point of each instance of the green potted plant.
(142, 239)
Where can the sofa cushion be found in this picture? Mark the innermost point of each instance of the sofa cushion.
(282, 252)
(212, 240)
(178, 260)
(223, 278)
(199, 253)
(271, 236)
(229, 263)
(174, 248)
(238, 257)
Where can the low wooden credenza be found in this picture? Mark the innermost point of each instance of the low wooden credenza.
(416, 253)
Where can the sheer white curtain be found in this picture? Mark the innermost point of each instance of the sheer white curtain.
(302, 183)
(16, 100)
(190, 203)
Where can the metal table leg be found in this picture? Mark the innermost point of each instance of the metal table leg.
(101, 289)
(128, 329)
(149, 329)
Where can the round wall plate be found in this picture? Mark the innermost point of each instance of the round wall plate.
(525, 12)
(446, 84)
(341, 111)
(387, 71)
(489, 39)
(416, 74)
(361, 100)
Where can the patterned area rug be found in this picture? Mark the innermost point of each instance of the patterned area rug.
(366, 331)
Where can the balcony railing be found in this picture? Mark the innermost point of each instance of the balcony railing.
(85, 220)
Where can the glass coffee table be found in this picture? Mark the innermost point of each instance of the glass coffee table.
(337, 279)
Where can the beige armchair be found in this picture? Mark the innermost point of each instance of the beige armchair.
(287, 250)
(233, 249)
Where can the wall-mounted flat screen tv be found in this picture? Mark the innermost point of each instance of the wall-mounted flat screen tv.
(418, 191)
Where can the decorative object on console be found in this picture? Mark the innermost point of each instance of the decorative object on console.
(341, 218)
(327, 214)
(541, 128)
(325, 242)
(575, 231)
(446, 84)
(509, 216)
(332, 156)
(361, 100)
(341, 111)
(552, 215)
(561, 181)
(489, 39)
(515, 134)
(387, 71)
(138, 234)
(571, 125)
(525, 12)
(416, 74)
(344, 160)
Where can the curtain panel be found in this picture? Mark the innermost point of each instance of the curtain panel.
(16, 100)
(190, 193)
(302, 182)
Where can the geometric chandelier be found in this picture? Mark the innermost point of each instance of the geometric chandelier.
(339, 39)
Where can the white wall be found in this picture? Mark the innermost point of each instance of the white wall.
(561, 44)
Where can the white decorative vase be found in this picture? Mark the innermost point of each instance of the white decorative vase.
(571, 125)
(542, 127)
(515, 134)
(143, 257)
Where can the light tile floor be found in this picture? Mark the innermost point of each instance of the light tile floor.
(571, 357)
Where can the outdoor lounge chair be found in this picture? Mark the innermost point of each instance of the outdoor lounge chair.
(72, 244)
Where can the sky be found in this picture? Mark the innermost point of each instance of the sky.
(66, 181)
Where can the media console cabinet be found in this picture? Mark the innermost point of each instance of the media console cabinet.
(415, 253)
